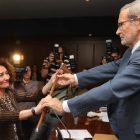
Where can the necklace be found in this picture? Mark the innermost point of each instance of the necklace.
(4, 97)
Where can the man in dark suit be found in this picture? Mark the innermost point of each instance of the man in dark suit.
(122, 91)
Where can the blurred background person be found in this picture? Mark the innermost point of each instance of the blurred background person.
(115, 55)
(86, 68)
(52, 63)
(27, 85)
(36, 75)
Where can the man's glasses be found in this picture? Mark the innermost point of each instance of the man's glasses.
(121, 23)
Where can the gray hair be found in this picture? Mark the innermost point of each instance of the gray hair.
(133, 9)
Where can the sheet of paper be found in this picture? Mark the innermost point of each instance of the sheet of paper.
(104, 117)
(76, 134)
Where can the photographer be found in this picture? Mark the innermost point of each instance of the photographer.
(52, 63)
(27, 85)
(115, 55)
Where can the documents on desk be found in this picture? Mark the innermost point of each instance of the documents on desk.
(94, 114)
(76, 134)
(102, 115)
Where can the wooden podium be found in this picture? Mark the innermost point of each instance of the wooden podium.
(104, 137)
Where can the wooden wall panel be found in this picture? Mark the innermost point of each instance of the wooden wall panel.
(100, 51)
(87, 51)
(85, 56)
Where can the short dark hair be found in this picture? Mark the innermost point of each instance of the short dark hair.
(115, 50)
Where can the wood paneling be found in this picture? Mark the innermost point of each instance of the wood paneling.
(85, 56)
(87, 51)
(100, 51)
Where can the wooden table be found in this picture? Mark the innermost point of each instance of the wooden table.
(93, 125)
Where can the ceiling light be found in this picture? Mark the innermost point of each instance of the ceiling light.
(86, 0)
(89, 34)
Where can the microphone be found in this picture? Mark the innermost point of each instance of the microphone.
(58, 130)
(59, 135)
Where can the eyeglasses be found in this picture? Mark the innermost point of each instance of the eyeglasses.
(121, 23)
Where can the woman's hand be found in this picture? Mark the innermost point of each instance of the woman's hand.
(53, 103)
(59, 72)
(39, 108)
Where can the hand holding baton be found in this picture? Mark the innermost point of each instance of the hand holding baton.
(44, 111)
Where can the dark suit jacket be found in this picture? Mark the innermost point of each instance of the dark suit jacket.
(121, 92)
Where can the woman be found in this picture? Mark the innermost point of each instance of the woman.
(10, 116)
(27, 85)
(36, 75)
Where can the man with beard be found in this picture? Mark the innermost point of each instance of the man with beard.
(122, 91)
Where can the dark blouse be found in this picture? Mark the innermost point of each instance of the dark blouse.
(9, 113)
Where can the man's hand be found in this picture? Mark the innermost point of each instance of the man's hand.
(66, 79)
(54, 104)
(51, 57)
(104, 60)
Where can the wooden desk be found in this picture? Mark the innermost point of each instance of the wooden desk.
(93, 125)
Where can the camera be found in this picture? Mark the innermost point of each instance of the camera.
(56, 53)
(19, 71)
(72, 63)
(109, 58)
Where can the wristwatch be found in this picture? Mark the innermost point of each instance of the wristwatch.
(33, 111)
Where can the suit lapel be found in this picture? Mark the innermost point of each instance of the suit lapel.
(125, 60)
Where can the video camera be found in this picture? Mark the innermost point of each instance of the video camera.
(56, 53)
(19, 75)
(109, 58)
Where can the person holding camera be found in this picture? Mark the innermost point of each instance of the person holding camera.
(27, 85)
(115, 55)
(52, 63)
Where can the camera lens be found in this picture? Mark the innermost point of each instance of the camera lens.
(25, 70)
